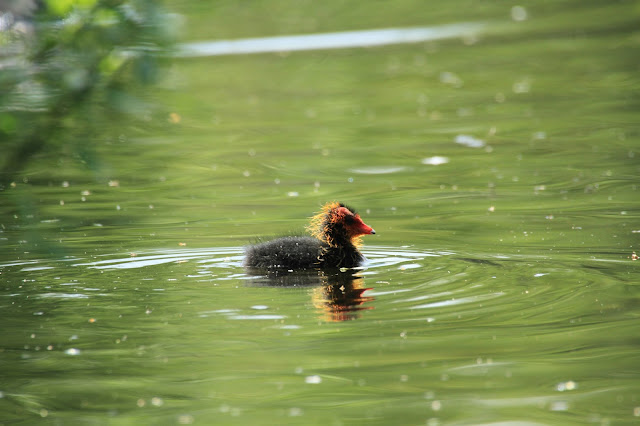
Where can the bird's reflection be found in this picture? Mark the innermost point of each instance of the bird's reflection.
(341, 298)
(337, 294)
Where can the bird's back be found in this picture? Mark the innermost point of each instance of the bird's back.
(285, 253)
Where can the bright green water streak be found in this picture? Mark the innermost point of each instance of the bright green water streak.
(528, 312)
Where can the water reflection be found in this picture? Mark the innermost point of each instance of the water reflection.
(337, 294)
(231, 259)
(342, 298)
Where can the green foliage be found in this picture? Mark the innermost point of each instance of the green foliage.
(69, 66)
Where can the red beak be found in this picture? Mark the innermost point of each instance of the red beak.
(362, 228)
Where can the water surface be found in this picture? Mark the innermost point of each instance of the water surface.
(500, 172)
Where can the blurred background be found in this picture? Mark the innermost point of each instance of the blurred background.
(493, 147)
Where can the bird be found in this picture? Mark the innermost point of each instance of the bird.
(336, 232)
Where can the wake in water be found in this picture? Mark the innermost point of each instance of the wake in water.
(232, 258)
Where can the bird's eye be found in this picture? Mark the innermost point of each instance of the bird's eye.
(349, 220)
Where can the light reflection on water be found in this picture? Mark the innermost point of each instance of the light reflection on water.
(231, 257)
(436, 280)
(222, 257)
(337, 295)
(338, 40)
(524, 311)
(439, 320)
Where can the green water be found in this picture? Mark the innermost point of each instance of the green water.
(501, 285)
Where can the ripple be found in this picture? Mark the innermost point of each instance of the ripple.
(381, 256)
(410, 266)
(18, 263)
(36, 268)
(479, 368)
(460, 301)
(235, 314)
(256, 317)
(378, 170)
(63, 296)
(231, 257)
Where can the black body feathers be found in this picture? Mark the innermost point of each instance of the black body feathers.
(295, 253)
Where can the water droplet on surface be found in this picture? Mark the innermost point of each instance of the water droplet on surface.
(522, 86)
(566, 386)
(314, 380)
(295, 412)
(451, 79)
(435, 160)
(260, 307)
(185, 419)
(469, 141)
(559, 406)
(518, 13)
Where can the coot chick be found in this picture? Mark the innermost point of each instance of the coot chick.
(336, 231)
